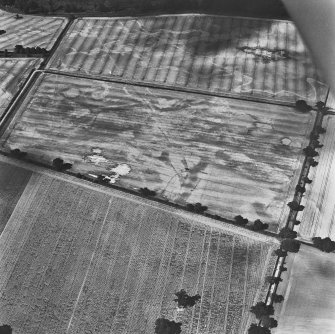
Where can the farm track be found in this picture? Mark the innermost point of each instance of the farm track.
(159, 247)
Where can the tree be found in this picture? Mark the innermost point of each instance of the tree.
(325, 245)
(290, 245)
(259, 225)
(320, 129)
(17, 153)
(59, 164)
(287, 233)
(313, 163)
(239, 220)
(310, 152)
(269, 322)
(184, 300)
(295, 206)
(147, 192)
(256, 329)
(261, 309)
(300, 189)
(197, 207)
(165, 326)
(302, 106)
(297, 222)
(272, 279)
(307, 180)
(6, 329)
(280, 252)
(277, 298)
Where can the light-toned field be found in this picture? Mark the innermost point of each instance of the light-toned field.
(79, 260)
(200, 52)
(13, 180)
(234, 156)
(309, 291)
(30, 31)
(13, 72)
(318, 217)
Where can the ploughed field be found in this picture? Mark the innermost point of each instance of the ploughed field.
(29, 31)
(255, 58)
(234, 156)
(318, 217)
(13, 72)
(80, 260)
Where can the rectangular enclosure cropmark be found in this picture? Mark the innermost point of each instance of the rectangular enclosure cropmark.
(254, 58)
(236, 157)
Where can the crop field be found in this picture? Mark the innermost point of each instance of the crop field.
(309, 305)
(318, 217)
(234, 156)
(12, 183)
(13, 72)
(30, 31)
(77, 260)
(256, 58)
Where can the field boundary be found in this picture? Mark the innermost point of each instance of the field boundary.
(133, 196)
(171, 88)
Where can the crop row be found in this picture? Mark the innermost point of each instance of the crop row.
(252, 57)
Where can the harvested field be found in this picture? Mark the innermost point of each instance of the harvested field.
(236, 157)
(77, 260)
(13, 72)
(256, 58)
(13, 180)
(30, 31)
(309, 304)
(318, 217)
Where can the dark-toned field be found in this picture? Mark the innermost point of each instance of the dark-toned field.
(256, 58)
(30, 31)
(79, 259)
(236, 157)
(13, 181)
(13, 72)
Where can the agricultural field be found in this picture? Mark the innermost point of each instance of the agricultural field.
(13, 73)
(78, 260)
(318, 217)
(29, 31)
(255, 58)
(309, 304)
(234, 156)
(13, 181)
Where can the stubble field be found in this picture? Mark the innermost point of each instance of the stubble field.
(235, 157)
(256, 58)
(75, 260)
(30, 31)
(13, 72)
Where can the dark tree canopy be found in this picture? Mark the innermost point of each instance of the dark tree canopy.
(197, 207)
(272, 279)
(291, 245)
(277, 298)
(147, 192)
(325, 245)
(17, 153)
(184, 300)
(302, 106)
(6, 329)
(261, 309)
(280, 252)
(59, 164)
(240, 220)
(165, 326)
(259, 225)
(295, 206)
(256, 329)
(287, 233)
(269, 322)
